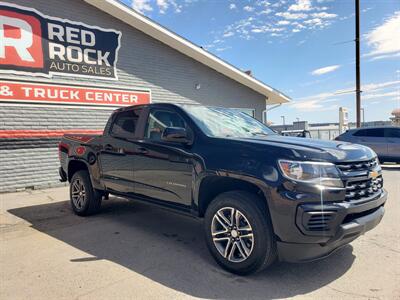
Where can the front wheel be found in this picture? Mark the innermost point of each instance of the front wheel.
(239, 232)
(85, 200)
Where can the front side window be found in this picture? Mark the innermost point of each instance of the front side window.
(125, 123)
(159, 119)
(226, 122)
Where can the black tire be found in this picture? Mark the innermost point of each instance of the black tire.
(263, 251)
(91, 201)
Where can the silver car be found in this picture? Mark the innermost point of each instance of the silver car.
(385, 141)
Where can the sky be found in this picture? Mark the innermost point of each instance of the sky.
(304, 48)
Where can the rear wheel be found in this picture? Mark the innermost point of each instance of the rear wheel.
(85, 200)
(239, 232)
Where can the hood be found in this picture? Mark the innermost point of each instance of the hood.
(313, 149)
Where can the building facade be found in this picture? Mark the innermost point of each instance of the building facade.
(92, 60)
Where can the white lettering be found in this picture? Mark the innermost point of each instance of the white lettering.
(52, 94)
(21, 44)
(108, 97)
(72, 35)
(88, 38)
(64, 94)
(102, 58)
(39, 92)
(78, 54)
(74, 95)
(86, 56)
(27, 90)
(55, 30)
(56, 50)
(134, 98)
(89, 96)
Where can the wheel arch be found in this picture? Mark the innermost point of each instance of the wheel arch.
(75, 166)
(213, 185)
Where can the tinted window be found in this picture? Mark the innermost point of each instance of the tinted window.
(371, 132)
(159, 119)
(392, 132)
(125, 123)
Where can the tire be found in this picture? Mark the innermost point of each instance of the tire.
(255, 249)
(85, 200)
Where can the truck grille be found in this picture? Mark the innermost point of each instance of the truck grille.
(358, 166)
(359, 185)
(360, 189)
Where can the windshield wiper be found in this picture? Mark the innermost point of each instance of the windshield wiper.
(259, 133)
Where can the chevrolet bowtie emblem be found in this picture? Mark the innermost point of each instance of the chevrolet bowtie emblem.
(373, 174)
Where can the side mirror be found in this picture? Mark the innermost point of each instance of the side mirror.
(176, 135)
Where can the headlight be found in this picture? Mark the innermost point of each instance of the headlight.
(319, 173)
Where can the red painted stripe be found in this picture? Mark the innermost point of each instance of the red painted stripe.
(12, 134)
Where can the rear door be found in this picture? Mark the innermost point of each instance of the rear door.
(373, 138)
(393, 142)
(118, 151)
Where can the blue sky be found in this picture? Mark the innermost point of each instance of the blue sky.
(302, 47)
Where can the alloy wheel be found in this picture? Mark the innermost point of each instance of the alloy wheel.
(232, 234)
(78, 194)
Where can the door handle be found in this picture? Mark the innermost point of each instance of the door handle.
(142, 150)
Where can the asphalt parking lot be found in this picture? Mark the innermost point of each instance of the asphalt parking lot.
(137, 251)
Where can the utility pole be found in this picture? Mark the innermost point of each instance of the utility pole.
(358, 80)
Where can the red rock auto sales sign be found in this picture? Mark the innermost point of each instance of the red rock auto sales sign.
(33, 43)
(15, 91)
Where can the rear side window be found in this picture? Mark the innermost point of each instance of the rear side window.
(371, 132)
(125, 123)
(392, 132)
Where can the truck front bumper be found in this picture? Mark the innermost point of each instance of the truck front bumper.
(354, 220)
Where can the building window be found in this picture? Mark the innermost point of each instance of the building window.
(248, 111)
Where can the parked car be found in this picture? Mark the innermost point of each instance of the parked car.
(263, 196)
(385, 141)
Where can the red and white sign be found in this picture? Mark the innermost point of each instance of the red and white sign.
(14, 91)
(40, 45)
(21, 42)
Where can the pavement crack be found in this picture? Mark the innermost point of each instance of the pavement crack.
(383, 247)
(352, 294)
(102, 287)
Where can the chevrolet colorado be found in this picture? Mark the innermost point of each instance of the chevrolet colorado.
(263, 197)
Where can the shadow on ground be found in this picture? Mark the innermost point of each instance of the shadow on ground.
(169, 249)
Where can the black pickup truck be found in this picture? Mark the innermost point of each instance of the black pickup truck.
(263, 197)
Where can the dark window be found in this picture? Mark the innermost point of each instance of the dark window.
(159, 119)
(125, 123)
(370, 132)
(392, 132)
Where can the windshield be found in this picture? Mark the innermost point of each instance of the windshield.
(226, 122)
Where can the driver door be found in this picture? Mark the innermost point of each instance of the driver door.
(163, 170)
